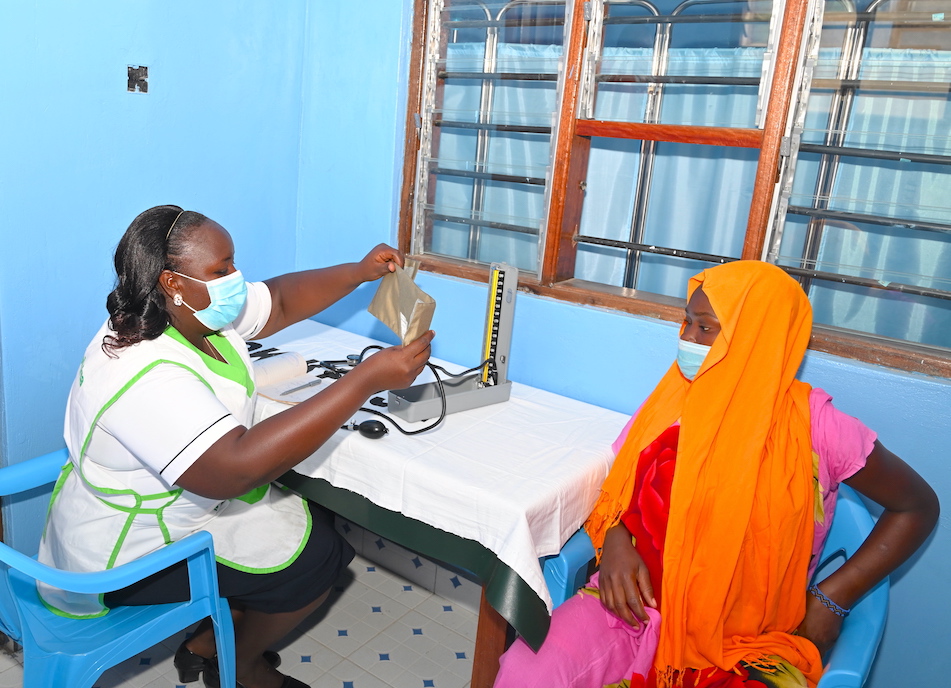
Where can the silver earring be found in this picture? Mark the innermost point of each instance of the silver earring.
(177, 299)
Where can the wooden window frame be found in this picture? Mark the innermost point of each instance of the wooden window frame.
(572, 146)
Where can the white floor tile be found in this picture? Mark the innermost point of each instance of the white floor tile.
(11, 676)
(451, 615)
(428, 671)
(453, 653)
(309, 672)
(403, 591)
(458, 587)
(351, 532)
(418, 632)
(350, 675)
(166, 681)
(399, 560)
(8, 660)
(342, 633)
(301, 654)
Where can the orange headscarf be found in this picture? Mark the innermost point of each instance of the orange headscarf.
(740, 529)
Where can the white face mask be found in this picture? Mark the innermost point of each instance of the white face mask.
(228, 295)
(690, 357)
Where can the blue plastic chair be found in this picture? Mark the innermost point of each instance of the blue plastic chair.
(59, 651)
(850, 660)
(567, 571)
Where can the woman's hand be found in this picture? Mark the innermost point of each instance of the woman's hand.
(396, 367)
(380, 261)
(821, 625)
(910, 513)
(625, 582)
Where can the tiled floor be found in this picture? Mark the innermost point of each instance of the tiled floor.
(380, 629)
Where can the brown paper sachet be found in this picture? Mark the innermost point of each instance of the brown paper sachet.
(401, 305)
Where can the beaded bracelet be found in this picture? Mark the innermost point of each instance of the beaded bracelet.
(832, 606)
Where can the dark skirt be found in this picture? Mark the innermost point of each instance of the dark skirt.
(318, 565)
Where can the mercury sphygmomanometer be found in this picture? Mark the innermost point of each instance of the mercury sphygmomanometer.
(485, 384)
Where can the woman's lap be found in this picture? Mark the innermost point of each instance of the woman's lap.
(586, 647)
(589, 647)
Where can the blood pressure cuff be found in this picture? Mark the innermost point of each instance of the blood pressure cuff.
(401, 305)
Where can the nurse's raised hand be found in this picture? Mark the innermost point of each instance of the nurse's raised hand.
(381, 260)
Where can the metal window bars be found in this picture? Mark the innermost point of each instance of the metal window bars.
(443, 29)
(844, 88)
(732, 11)
(495, 17)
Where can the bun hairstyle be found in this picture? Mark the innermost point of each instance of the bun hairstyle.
(155, 241)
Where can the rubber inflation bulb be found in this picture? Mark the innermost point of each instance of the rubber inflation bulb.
(373, 429)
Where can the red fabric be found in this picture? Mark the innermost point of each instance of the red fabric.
(718, 678)
(703, 678)
(646, 517)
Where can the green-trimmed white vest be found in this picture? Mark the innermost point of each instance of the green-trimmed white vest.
(97, 521)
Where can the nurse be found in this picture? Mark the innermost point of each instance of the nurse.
(158, 427)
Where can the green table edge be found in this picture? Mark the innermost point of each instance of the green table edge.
(504, 589)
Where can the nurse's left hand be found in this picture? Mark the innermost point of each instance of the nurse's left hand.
(381, 260)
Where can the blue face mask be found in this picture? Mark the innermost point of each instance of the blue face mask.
(228, 295)
(690, 357)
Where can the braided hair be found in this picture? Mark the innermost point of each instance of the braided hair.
(155, 241)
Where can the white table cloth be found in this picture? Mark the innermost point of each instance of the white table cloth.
(519, 477)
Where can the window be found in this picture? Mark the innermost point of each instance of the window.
(610, 149)
(491, 85)
(863, 216)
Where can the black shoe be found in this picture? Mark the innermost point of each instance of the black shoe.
(213, 679)
(190, 665)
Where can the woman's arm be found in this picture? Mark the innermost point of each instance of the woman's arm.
(245, 458)
(911, 512)
(297, 296)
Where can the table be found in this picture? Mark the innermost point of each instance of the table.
(490, 490)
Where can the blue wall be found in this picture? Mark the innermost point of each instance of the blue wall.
(284, 122)
(218, 132)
